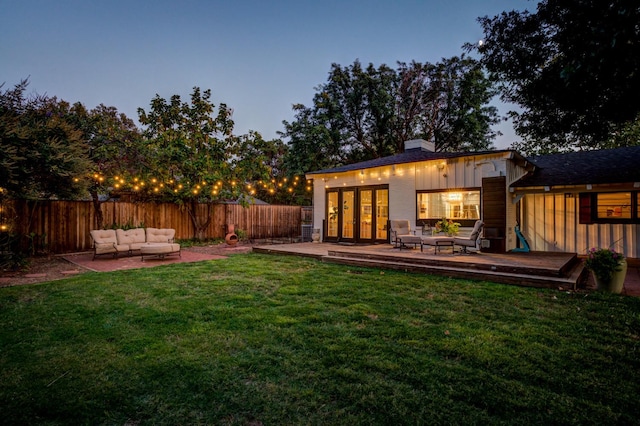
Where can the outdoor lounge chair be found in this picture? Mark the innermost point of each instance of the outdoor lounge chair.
(400, 229)
(473, 240)
(106, 242)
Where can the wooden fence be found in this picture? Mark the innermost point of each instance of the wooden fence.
(63, 226)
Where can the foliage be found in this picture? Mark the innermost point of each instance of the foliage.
(41, 150)
(573, 69)
(365, 113)
(114, 149)
(603, 262)
(453, 105)
(447, 226)
(193, 156)
(262, 162)
(241, 234)
(263, 339)
(12, 256)
(194, 242)
(187, 144)
(114, 144)
(126, 226)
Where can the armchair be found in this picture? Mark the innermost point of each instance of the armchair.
(473, 240)
(399, 229)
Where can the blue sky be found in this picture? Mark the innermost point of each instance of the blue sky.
(258, 57)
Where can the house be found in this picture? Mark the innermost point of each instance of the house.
(563, 202)
(574, 201)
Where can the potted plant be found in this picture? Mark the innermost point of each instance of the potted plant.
(609, 268)
(449, 227)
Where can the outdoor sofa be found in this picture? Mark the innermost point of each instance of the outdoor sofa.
(146, 241)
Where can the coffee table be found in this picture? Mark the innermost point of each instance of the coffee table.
(437, 243)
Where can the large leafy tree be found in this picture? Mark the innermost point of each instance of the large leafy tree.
(572, 67)
(42, 152)
(193, 156)
(114, 144)
(452, 109)
(314, 140)
(364, 113)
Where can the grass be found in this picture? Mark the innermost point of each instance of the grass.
(263, 339)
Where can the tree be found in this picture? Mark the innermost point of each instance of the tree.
(453, 109)
(315, 141)
(573, 69)
(364, 113)
(191, 153)
(42, 153)
(114, 148)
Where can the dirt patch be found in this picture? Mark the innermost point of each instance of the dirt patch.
(50, 268)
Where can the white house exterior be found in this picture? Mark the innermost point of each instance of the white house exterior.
(575, 201)
(354, 203)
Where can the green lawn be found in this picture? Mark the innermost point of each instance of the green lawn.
(263, 339)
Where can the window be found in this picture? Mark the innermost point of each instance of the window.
(460, 205)
(610, 207)
(614, 205)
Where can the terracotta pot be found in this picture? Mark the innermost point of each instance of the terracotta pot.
(616, 283)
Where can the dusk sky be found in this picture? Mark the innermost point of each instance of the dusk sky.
(258, 57)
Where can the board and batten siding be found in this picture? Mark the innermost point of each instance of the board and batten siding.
(551, 223)
(513, 174)
(405, 180)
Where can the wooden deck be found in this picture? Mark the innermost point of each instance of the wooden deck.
(534, 269)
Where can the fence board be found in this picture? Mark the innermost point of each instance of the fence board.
(63, 226)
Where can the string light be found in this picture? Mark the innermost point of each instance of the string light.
(156, 186)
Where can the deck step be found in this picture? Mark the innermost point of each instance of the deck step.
(503, 277)
(535, 269)
(469, 263)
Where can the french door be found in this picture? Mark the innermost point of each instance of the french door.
(357, 214)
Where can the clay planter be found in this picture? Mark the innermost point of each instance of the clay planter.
(231, 238)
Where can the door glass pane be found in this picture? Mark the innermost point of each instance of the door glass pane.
(366, 214)
(382, 213)
(332, 214)
(347, 214)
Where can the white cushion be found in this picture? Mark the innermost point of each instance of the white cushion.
(401, 227)
(131, 236)
(160, 235)
(102, 236)
(159, 248)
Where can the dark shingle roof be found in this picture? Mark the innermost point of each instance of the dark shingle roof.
(618, 165)
(409, 156)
